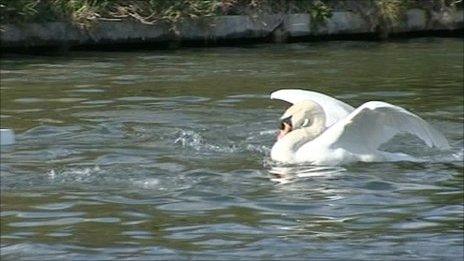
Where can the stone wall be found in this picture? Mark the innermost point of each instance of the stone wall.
(275, 27)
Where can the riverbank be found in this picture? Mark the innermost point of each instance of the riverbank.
(225, 30)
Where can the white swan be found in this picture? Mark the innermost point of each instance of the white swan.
(322, 130)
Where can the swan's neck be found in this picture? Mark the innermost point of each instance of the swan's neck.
(284, 149)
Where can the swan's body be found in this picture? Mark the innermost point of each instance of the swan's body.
(322, 130)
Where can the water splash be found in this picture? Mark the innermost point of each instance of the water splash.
(192, 140)
(86, 174)
(150, 183)
(189, 139)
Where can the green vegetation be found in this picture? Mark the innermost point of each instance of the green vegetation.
(148, 11)
(388, 13)
(84, 12)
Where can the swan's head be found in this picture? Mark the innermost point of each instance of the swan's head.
(300, 115)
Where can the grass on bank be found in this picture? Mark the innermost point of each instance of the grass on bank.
(147, 11)
(85, 12)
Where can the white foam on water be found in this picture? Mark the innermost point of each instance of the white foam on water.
(7, 137)
(193, 140)
(150, 183)
(73, 174)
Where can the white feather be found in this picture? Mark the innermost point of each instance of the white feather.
(375, 123)
(334, 109)
(357, 136)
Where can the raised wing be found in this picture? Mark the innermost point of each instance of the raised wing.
(375, 123)
(334, 109)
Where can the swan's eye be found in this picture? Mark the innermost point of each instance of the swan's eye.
(287, 120)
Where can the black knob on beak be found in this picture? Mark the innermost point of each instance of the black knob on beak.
(287, 120)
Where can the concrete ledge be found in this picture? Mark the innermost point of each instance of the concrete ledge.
(229, 27)
(222, 28)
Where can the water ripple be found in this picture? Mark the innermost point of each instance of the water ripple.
(165, 156)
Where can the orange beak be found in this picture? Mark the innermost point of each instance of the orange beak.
(282, 133)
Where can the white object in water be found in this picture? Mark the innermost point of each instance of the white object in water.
(322, 130)
(7, 137)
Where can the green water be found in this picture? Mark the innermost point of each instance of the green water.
(165, 155)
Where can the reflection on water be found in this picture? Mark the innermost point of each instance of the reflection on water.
(165, 155)
(284, 175)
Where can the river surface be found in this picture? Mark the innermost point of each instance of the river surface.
(165, 155)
